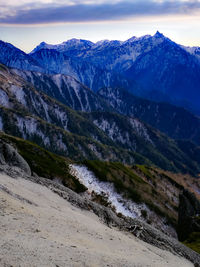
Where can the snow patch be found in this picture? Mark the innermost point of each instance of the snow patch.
(122, 205)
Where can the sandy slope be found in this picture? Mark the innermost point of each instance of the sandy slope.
(39, 228)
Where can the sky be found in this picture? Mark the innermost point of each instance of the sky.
(26, 23)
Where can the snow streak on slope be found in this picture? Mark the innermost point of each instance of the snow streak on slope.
(123, 206)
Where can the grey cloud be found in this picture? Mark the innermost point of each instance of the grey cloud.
(99, 12)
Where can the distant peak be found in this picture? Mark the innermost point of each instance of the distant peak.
(158, 35)
(135, 39)
(132, 39)
(77, 41)
(73, 40)
(101, 42)
(42, 45)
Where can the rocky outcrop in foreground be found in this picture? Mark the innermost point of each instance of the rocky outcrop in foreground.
(9, 156)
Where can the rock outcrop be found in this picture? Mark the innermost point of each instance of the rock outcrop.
(10, 156)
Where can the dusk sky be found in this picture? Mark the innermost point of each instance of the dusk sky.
(26, 23)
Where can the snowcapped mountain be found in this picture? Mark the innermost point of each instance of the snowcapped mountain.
(111, 55)
(70, 45)
(168, 73)
(89, 73)
(153, 67)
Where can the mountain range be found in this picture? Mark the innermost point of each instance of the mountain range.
(153, 67)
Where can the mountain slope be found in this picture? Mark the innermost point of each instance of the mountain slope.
(66, 90)
(32, 115)
(92, 74)
(14, 57)
(176, 122)
(133, 135)
(168, 73)
(140, 182)
(26, 113)
(19, 95)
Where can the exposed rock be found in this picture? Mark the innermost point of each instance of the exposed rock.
(10, 156)
(188, 215)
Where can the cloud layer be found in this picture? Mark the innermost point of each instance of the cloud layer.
(49, 11)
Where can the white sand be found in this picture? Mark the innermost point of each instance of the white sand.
(51, 232)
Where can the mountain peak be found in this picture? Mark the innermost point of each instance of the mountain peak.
(102, 42)
(43, 43)
(132, 39)
(73, 40)
(38, 47)
(158, 35)
(135, 39)
(77, 41)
